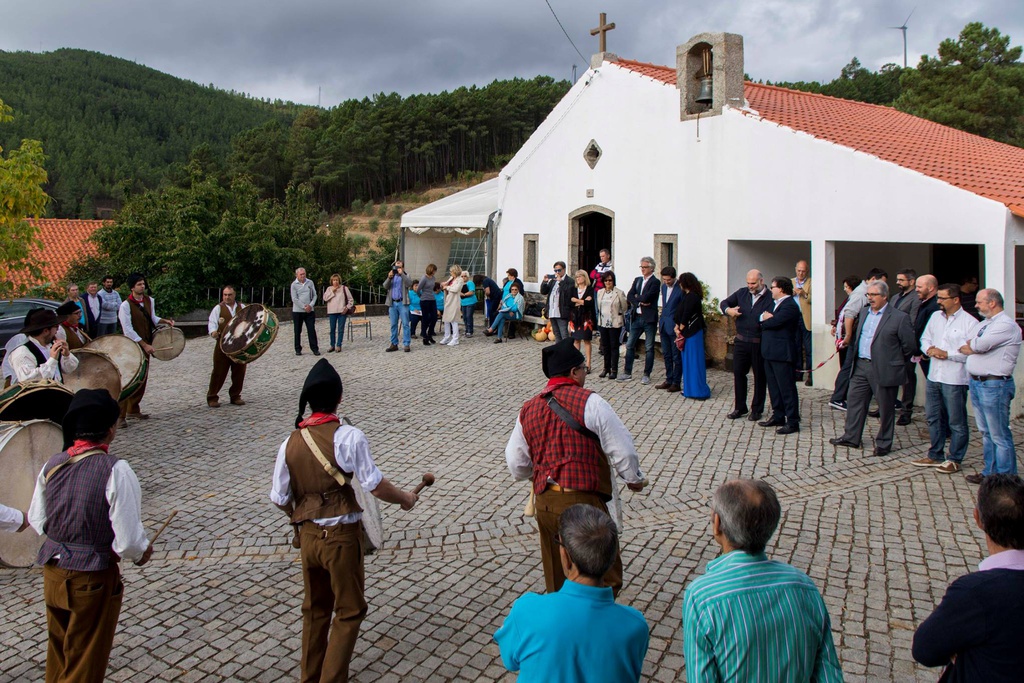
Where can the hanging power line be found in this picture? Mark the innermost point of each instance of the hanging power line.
(566, 32)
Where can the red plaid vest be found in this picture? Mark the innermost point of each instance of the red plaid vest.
(559, 452)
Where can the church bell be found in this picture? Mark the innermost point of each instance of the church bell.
(704, 94)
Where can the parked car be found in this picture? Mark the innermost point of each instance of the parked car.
(12, 316)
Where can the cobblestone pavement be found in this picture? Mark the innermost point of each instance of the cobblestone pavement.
(220, 600)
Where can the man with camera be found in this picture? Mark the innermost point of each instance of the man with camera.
(559, 290)
(397, 286)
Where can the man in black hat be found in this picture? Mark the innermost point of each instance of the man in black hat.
(88, 503)
(329, 517)
(70, 326)
(43, 355)
(566, 440)
(138, 319)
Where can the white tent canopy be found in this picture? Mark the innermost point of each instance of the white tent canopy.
(462, 212)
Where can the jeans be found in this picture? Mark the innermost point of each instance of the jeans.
(499, 321)
(467, 317)
(991, 402)
(103, 329)
(637, 327)
(945, 409)
(309, 319)
(398, 311)
(672, 357)
(337, 322)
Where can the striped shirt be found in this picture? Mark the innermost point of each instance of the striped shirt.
(754, 619)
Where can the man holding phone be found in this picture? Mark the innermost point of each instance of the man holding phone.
(397, 286)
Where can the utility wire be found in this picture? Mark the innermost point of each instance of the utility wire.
(585, 60)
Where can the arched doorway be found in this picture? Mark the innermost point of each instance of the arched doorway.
(591, 229)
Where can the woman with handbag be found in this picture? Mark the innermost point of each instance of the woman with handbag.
(690, 338)
(452, 306)
(611, 306)
(340, 305)
(581, 316)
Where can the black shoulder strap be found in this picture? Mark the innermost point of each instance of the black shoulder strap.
(40, 358)
(567, 417)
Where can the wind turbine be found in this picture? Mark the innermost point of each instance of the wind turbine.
(904, 29)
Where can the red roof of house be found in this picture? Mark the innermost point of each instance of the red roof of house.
(985, 167)
(64, 240)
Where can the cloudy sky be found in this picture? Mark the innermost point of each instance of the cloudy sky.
(288, 48)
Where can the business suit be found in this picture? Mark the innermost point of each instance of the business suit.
(909, 303)
(746, 350)
(924, 314)
(670, 297)
(642, 296)
(882, 375)
(92, 322)
(780, 349)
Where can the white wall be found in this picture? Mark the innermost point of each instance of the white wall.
(771, 258)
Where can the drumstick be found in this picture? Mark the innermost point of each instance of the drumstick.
(157, 535)
(428, 480)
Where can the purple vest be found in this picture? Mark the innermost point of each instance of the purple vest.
(78, 514)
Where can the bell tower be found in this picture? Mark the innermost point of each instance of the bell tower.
(709, 74)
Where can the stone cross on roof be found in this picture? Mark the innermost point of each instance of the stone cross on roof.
(603, 30)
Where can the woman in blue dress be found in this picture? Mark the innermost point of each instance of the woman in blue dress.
(690, 323)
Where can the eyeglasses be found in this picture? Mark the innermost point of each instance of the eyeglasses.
(945, 298)
(645, 267)
(776, 287)
(558, 540)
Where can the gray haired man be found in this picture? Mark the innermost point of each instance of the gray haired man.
(643, 316)
(303, 300)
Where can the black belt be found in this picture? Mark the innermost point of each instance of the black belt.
(749, 340)
(985, 378)
(393, 299)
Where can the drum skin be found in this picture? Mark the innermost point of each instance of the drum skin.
(24, 449)
(249, 333)
(131, 362)
(95, 371)
(40, 400)
(168, 343)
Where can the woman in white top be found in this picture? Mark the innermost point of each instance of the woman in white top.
(339, 304)
(611, 306)
(452, 306)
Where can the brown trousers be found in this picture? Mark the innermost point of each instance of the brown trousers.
(550, 506)
(81, 617)
(332, 571)
(221, 366)
(130, 406)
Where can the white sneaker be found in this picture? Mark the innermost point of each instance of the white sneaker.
(646, 379)
(445, 341)
(454, 343)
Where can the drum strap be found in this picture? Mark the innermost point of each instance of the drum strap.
(72, 460)
(328, 466)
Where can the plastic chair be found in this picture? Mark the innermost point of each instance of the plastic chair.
(363, 322)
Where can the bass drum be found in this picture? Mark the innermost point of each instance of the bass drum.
(24, 449)
(249, 333)
(43, 399)
(95, 371)
(131, 362)
(168, 343)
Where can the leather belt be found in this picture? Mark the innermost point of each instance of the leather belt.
(749, 340)
(985, 378)
(559, 489)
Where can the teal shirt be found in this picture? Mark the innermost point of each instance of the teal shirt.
(575, 635)
(469, 298)
(414, 303)
(754, 619)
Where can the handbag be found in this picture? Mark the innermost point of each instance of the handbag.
(370, 524)
(351, 307)
(680, 341)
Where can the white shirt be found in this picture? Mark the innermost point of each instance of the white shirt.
(948, 333)
(640, 293)
(124, 315)
(351, 452)
(214, 322)
(93, 302)
(10, 519)
(600, 418)
(25, 368)
(124, 495)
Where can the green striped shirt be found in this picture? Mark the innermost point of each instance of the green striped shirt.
(753, 619)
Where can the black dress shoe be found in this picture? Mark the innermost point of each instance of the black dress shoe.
(755, 416)
(840, 441)
(787, 429)
(903, 420)
(736, 414)
(974, 478)
(771, 423)
(604, 373)
(874, 413)
(879, 452)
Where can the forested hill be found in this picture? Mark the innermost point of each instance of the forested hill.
(103, 120)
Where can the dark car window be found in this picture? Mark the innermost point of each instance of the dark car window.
(15, 309)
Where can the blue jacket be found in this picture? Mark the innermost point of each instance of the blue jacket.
(576, 634)
(667, 322)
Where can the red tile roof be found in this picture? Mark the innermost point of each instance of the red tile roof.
(64, 240)
(973, 163)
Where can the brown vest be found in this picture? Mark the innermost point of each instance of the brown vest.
(225, 318)
(315, 493)
(76, 337)
(142, 318)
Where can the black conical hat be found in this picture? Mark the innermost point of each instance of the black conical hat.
(322, 382)
(560, 358)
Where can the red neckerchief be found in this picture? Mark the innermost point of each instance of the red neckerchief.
(81, 446)
(557, 382)
(318, 419)
(138, 301)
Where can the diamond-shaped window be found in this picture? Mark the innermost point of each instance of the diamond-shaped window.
(592, 154)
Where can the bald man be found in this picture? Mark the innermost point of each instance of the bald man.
(745, 307)
(927, 287)
(802, 294)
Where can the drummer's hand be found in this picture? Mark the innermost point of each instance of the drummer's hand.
(145, 556)
(24, 522)
(169, 322)
(410, 501)
(214, 334)
(146, 348)
(639, 486)
(55, 350)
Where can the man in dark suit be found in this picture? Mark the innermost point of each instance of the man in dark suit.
(905, 299)
(927, 291)
(882, 344)
(671, 295)
(977, 629)
(559, 289)
(781, 328)
(643, 310)
(745, 307)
